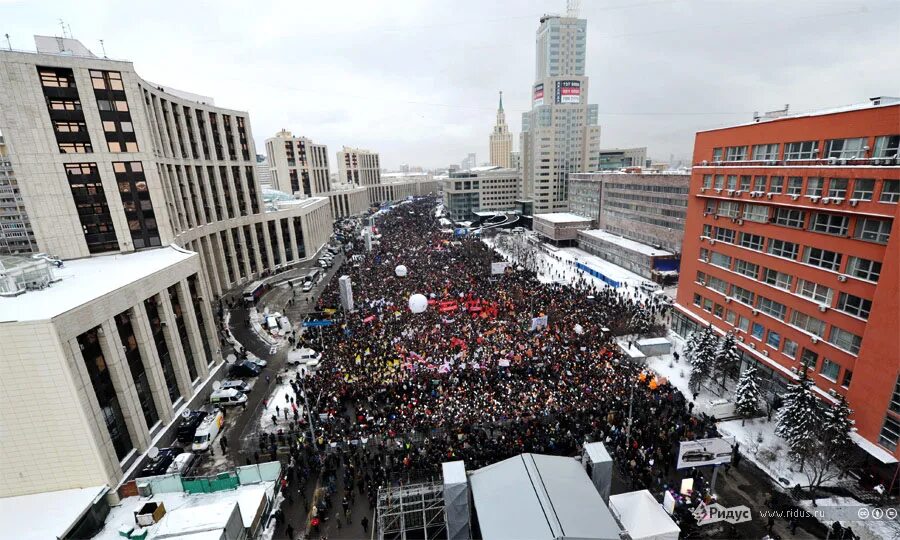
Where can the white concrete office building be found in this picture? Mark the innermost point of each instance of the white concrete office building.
(149, 196)
(298, 165)
(482, 189)
(560, 135)
(358, 167)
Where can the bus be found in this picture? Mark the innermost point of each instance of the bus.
(313, 275)
(254, 292)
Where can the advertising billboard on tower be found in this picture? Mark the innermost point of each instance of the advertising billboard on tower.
(538, 98)
(568, 91)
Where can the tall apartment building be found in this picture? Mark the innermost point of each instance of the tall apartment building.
(359, 167)
(650, 208)
(263, 172)
(560, 135)
(793, 243)
(482, 189)
(469, 162)
(298, 165)
(501, 140)
(16, 235)
(150, 197)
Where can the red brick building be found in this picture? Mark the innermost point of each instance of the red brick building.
(792, 241)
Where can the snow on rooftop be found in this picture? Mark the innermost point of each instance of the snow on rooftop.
(562, 217)
(883, 102)
(194, 517)
(45, 515)
(874, 450)
(83, 280)
(630, 245)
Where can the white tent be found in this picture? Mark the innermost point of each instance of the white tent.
(642, 517)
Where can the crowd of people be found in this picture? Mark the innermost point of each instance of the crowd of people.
(480, 375)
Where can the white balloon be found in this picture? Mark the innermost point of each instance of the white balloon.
(418, 303)
(579, 329)
(400, 271)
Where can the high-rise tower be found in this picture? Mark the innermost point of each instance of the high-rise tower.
(560, 134)
(501, 139)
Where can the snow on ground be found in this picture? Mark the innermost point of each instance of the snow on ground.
(279, 398)
(866, 529)
(766, 450)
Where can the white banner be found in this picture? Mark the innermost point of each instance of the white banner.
(498, 267)
(705, 452)
(538, 322)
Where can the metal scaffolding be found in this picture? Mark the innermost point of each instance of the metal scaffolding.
(411, 512)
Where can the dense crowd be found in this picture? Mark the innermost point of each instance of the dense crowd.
(471, 377)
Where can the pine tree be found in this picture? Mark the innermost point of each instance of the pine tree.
(701, 350)
(833, 454)
(746, 394)
(727, 357)
(799, 420)
(837, 425)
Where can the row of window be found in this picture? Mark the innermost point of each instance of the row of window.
(866, 228)
(887, 146)
(863, 189)
(771, 338)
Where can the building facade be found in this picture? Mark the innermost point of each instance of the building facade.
(150, 197)
(358, 167)
(16, 235)
(501, 140)
(792, 243)
(560, 227)
(298, 165)
(560, 134)
(645, 261)
(482, 189)
(650, 208)
(469, 162)
(613, 159)
(346, 200)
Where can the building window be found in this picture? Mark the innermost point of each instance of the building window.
(725, 235)
(873, 230)
(718, 310)
(783, 248)
(895, 397)
(808, 324)
(810, 359)
(75, 148)
(845, 148)
(153, 307)
(736, 153)
(707, 304)
(890, 433)
(732, 181)
(720, 259)
(698, 300)
(137, 368)
(795, 185)
(93, 209)
(758, 331)
(717, 154)
(864, 268)
(745, 183)
(854, 305)
(814, 186)
(730, 317)
(759, 183)
(776, 184)
(746, 268)
(136, 202)
(729, 209)
(790, 348)
(822, 258)
(771, 307)
(756, 212)
(863, 189)
(887, 146)
(720, 181)
(742, 295)
(778, 279)
(837, 188)
(843, 339)
(830, 370)
(790, 217)
(56, 78)
(890, 191)
(814, 291)
(717, 284)
(801, 150)
(765, 152)
(835, 224)
(773, 339)
(848, 376)
(707, 180)
(752, 241)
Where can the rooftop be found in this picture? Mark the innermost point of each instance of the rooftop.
(630, 245)
(84, 280)
(46, 515)
(873, 103)
(562, 217)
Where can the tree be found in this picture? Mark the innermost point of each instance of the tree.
(799, 420)
(727, 357)
(746, 394)
(832, 456)
(700, 350)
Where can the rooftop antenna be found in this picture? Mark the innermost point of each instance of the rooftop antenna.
(8, 42)
(103, 47)
(573, 8)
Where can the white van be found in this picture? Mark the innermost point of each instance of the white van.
(227, 397)
(304, 357)
(208, 430)
(650, 286)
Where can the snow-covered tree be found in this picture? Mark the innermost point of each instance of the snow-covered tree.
(727, 358)
(833, 455)
(746, 394)
(701, 353)
(641, 321)
(799, 420)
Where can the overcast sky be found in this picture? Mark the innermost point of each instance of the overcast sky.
(418, 80)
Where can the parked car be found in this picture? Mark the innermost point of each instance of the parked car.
(237, 384)
(244, 368)
(210, 428)
(257, 360)
(160, 464)
(650, 286)
(323, 263)
(308, 286)
(224, 398)
(188, 426)
(183, 463)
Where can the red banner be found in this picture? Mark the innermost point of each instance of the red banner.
(369, 319)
